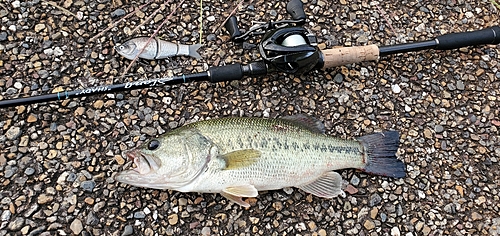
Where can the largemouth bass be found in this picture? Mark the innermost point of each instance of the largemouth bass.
(155, 49)
(238, 157)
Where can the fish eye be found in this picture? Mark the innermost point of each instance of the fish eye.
(153, 144)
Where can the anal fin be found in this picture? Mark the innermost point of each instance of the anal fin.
(237, 192)
(328, 185)
(235, 199)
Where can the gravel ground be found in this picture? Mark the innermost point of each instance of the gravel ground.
(58, 159)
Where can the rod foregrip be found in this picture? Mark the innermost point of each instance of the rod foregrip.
(348, 55)
(225, 73)
(489, 35)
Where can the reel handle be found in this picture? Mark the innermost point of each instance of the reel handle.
(296, 9)
(232, 27)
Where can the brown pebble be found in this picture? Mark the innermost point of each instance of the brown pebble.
(79, 111)
(32, 118)
(351, 189)
(278, 206)
(373, 213)
(476, 216)
(89, 200)
(98, 104)
(427, 133)
(173, 219)
(119, 159)
(44, 198)
(20, 109)
(369, 225)
(312, 226)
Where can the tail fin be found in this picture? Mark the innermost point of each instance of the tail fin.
(380, 151)
(193, 51)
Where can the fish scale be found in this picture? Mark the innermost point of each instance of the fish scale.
(238, 157)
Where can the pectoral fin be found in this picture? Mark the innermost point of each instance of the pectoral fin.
(236, 193)
(327, 186)
(241, 158)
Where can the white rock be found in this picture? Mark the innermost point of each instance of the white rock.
(395, 231)
(16, 4)
(18, 85)
(58, 51)
(407, 108)
(395, 88)
(48, 51)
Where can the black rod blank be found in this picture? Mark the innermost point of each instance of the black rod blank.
(101, 89)
(214, 74)
(489, 35)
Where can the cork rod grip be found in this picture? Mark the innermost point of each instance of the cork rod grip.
(348, 55)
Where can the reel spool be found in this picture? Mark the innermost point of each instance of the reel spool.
(290, 49)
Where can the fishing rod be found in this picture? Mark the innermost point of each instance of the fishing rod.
(286, 46)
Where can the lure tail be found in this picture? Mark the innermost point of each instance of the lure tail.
(193, 51)
(380, 153)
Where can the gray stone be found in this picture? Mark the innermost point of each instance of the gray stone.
(13, 133)
(375, 199)
(29, 171)
(139, 215)
(87, 185)
(3, 36)
(16, 224)
(128, 230)
(439, 128)
(338, 78)
(118, 13)
(91, 219)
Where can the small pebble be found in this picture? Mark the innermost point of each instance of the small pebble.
(128, 230)
(76, 226)
(395, 88)
(87, 185)
(13, 133)
(375, 199)
(139, 215)
(439, 128)
(118, 13)
(338, 78)
(29, 171)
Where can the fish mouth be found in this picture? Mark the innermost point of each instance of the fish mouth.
(144, 173)
(145, 164)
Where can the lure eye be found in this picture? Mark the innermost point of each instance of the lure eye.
(153, 144)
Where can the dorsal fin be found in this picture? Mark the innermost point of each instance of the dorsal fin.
(310, 123)
(240, 158)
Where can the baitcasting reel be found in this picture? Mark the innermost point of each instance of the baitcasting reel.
(285, 46)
